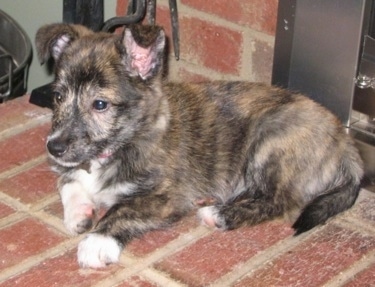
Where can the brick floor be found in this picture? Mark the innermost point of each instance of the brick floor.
(213, 256)
(156, 239)
(23, 147)
(36, 251)
(26, 238)
(327, 253)
(137, 281)
(22, 186)
(59, 271)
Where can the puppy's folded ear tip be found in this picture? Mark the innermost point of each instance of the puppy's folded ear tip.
(57, 35)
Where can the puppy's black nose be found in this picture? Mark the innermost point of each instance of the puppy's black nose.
(57, 147)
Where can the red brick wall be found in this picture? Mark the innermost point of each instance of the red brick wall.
(220, 39)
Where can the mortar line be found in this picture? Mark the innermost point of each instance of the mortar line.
(160, 278)
(12, 219)
(51, 220)
(246, 68)
(44, 202)
(22, 127)
(23, 167)
(345, 276)
(355, 224)
(12, 202)
(201, 70)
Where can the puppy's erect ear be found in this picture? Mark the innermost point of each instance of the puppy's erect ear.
(51, 40)
(144, 47)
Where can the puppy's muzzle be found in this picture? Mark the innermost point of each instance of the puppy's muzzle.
(57, 147)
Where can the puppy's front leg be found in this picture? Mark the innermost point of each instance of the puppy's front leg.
(79, 210)
(124, 221)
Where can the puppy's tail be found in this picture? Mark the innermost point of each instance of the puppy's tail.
(327, 205)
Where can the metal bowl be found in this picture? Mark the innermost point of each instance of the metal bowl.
(15, 58)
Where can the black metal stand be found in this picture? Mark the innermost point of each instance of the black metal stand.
(42, 96)
(89, 13)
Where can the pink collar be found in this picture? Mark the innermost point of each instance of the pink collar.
(105, 154)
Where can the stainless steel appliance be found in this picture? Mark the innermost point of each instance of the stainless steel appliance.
(326, 49)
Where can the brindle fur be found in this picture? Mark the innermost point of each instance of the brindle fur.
(260, 151)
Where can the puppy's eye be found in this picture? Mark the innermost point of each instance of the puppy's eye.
(58, 97)
(100, 105)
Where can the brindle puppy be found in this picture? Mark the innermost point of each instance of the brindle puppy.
(149, 150)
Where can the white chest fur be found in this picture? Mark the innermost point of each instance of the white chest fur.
(91, 184)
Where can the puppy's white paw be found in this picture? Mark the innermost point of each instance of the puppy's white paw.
(78, 218)
(209, 216)
(98, 251)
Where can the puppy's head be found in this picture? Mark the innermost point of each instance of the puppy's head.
(106, 88)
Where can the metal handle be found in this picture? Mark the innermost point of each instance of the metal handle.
(365, 82)
(136, 12)
(137, 16)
